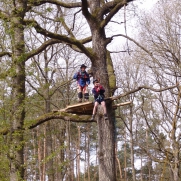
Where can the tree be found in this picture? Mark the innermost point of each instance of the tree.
(159, 43)
(20, 17)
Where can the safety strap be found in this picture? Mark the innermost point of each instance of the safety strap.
(80, 75)
(99, 98)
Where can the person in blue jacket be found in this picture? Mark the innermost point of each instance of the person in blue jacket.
(98, 92)
(83, 80)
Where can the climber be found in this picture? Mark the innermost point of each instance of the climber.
(83, 81)
(98, 92)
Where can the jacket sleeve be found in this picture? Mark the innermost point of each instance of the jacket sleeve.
(102, 90)
(88, 79)
(75, 76)
(93, 91)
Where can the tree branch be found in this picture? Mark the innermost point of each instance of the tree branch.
(59, 115)
(5, 53)
(63, 38)
(115, 7)
(129, 38)
(56, 2)
(49, 116)
(139, 88)
(64, 23)
(85, 11)
(41, 48)
(34, 88)
(74, 19)
(122, 104)
(4, 16)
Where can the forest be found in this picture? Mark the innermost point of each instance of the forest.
(135, 51)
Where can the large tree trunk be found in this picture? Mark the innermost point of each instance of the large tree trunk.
(106, 153)
(106, 129)
(18, 93)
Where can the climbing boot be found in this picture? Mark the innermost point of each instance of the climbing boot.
(105, 117)
(80, 97)
(92, 118)
(86, 97)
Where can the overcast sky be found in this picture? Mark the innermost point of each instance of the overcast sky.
(131, 30)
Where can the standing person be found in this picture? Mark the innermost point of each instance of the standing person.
(98, 92)
(83, 81)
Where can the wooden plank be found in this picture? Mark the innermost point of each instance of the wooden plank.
(82, 104)
(80, 108)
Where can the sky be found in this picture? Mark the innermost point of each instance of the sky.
(147, 4)
(139, 7)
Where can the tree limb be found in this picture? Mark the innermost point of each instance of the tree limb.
(85, 11)
(63, 38)
(56, 2)
(41, 48)
(139, 88)
(31, 85)
(59, 115)
(64, 23)
(5, 53)
(115, 7)
(131, 39)
(49, 116)
(4, 16)
(122, 104)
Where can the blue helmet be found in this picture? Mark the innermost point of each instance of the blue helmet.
(95, 80)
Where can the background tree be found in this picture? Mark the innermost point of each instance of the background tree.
(161, 55)
(34, 28)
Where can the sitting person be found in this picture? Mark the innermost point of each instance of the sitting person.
(98, 92)
(83, 81)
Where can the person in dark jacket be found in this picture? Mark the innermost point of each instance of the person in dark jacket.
(83, 80)
(98, 92)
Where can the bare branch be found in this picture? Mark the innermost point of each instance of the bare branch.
(115, 7)
(4, 16)
(131, 39)
(139, 88)
(122, 104)
(56, 2)
(38, 92)
(74, 19)
(86, 40)
(49, 116)
(59, 115)
(5, 53)
(121, 51)
(41, 48)
(64, 23)
(85, 11)
(63, 38)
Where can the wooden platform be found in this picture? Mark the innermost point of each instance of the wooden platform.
(84, 108)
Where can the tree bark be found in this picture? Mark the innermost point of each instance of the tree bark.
(18, 92)
(106, 129)
(106, 153)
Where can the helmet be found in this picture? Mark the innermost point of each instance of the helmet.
(83, 66)
(95, 80)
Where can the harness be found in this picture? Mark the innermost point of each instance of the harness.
(100, 98)
(82, 75)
